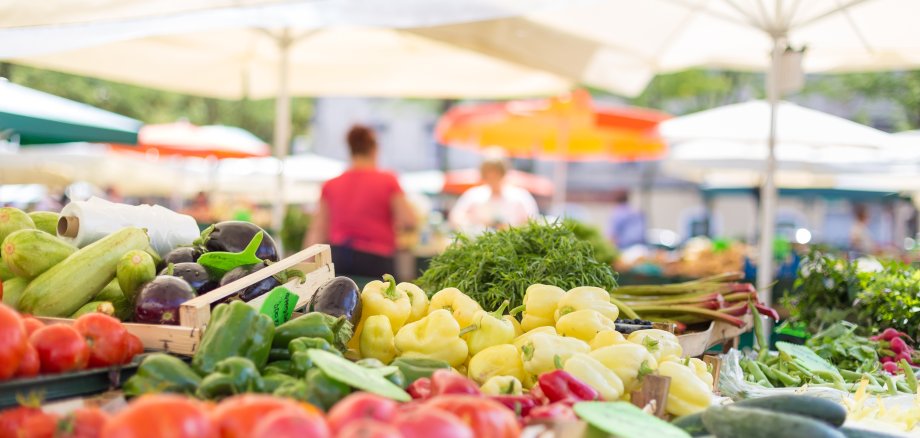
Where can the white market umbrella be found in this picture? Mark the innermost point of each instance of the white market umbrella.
(671, 35)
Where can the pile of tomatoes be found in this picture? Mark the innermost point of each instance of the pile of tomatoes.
(28, 347)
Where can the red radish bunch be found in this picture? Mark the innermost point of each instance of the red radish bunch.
(893, 349)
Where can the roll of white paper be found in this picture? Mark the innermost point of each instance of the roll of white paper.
(99, 218)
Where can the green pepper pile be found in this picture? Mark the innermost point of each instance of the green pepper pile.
(242, 351)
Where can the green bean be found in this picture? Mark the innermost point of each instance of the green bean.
(765, 383)
(892, 387)
(850, 375)
(755, 371)
(909, 376)
(787, 380)
(768, 372)
(872, 379)
(763, 347)
(903, 386)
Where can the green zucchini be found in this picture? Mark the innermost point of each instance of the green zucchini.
(113, 294)
(134, 269)
(850, 432)
(692, 424)
(735, 422)
(104, 307)
(812, 407)
(12, 291)
(28, 253)
(13, 219)
(46, 221)
(70, 284)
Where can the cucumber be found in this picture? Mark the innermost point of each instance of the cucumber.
(28, 253)
(850, 432)
(46, 221)
(692, 424)
(808, 406)
(734, 422)
(113, 294)
(12, 291)
(134, 269)
(13, 219)
(94, 306)
(70, 284)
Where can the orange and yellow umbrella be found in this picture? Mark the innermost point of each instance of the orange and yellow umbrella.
(568, 127)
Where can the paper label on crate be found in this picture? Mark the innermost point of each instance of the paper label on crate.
(279, 304)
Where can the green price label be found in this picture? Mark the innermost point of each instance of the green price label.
(279, 304)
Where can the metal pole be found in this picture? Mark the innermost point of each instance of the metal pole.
(768, 193)
(282, 126)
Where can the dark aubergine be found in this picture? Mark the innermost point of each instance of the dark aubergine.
(234, 236)
(338, 297)
(255, 290)
(194, 274)
(159, 299)
(184, 254)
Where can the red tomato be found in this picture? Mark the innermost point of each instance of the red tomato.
(161, 416)
(60, 348)
(133, 347)
(32, 324)
(40, 425)
(13, 420)
(237, 416)
(361, 405)
(368, 428)
(429, 421)
(13, 341)
(29, 366)
(83, 423)
(292, 423)
(487, 418)
(105, 337)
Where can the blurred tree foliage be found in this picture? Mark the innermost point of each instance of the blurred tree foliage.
(158, 106)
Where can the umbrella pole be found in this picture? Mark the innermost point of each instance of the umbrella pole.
(282, 127)
(768, 193)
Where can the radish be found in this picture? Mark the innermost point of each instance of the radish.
(898, 346)
(891, 367)
(886, 359)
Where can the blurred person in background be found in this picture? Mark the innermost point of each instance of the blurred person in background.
(494, 204)
(360, 212)
(860, 237)
(627, 224)
(200, 209)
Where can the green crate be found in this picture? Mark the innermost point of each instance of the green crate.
(67, 385)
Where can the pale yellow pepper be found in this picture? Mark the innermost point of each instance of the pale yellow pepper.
(688, 394)
(489, 328)
(497, 360)
(629, 361)
(418, 301)
(544, 353)
(607, 338)
(502, 385)
(540, 301)
(436, 336)
(587, 297)
(593, 373)
(382, 298)
(377, 339)
(461, 306)
(523, 339)
(518, 331)
(663, 345)
(701, 370)
(583, 324)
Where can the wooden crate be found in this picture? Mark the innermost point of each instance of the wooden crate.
(183, 339)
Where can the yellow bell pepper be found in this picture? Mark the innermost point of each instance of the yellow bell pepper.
(525, 338)
(606, 338)
(489, 328)
(590, 371)
(663, 345)
(502, 385)
(687, 394)
(462, 307)
(377, 339)
(544, 353)
(436, 336)
(518, 331)
(540, 303)
(382, 298)
(418, 301)
(629, 361)
(497, 360)
(583, 324)
(700, 370)
(587, 297)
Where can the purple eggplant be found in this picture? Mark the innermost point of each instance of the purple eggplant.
(182, 254)
(338, 297)
(233, 236)
(194, 274)
(159, 299)
(251, 292)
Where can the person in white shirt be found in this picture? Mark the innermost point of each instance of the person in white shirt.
(494, 204)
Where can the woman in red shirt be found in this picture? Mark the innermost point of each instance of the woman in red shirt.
(361, 211)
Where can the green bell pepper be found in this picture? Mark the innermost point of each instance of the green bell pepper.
(274, 381)
(336, 331)
(278, 367)
(233, 375)
(235, 330)
(160, 372)
(414, 368)
(276, 354)
(317, 389)
(391, 373)
(300, 360)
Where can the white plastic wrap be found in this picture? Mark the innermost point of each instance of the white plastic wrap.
(99, 218)
(733, 385)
